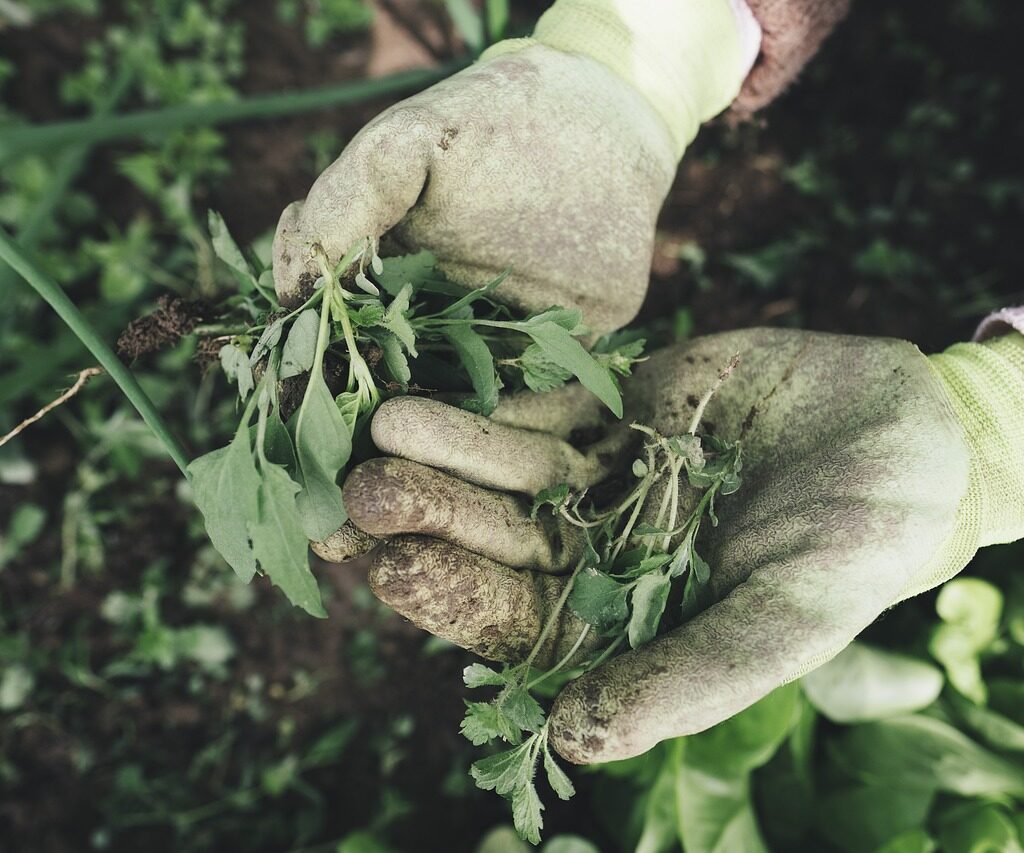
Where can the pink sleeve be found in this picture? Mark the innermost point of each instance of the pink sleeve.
(1000, 322)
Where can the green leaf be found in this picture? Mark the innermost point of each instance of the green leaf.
(926, 754)
(485, 721)
(416, 269)
(300, 345)
(468, 23)
(16, 685)
(479, 364)
(568, 353)
(323, 444)
(280, 543)
(861, 818)
(395, 359)
(864, 683)
(599, 600)
(649, 598)
(560, 783)
(478, 675)
(555, 496)
(458, 308)
(236, 367)
(277, 443)
(225, 248)
(660, 819)
(522, 709)
(979, 828)
(748, 739)
(540, 373)
(998, 730)
(349, 404)
(267, 341)
(224, 486)
(970, 609)
(716, 814)
(912, 841)
(526, 809)
(506, 771)
(396, 321)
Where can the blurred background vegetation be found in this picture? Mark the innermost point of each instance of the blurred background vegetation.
(148, 700)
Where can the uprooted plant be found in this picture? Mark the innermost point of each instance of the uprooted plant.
(309, 381)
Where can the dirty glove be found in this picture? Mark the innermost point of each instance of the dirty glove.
(871, 473)
(550, 156)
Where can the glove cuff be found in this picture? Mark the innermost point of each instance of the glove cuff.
(985, 387)
(687, 58)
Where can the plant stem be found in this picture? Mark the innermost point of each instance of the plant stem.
(23, 140)
(556, 612)
(50, 291)
(699, 413)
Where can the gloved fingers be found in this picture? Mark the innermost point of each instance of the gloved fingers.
(389, 496)
(766, 632)
(559, 412)
(476, 603)
(346, 543)
(481, 451)
(364, 193)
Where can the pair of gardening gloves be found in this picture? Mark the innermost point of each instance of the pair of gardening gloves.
(871, 472)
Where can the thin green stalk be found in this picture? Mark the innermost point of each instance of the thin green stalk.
(22, 140)
(50, 291)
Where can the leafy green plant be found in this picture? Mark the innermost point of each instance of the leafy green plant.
(619, 589)
(275, 485)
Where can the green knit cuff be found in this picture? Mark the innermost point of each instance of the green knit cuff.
(683, 56)
(985, 382)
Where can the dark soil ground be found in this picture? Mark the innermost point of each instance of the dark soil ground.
(881, 196)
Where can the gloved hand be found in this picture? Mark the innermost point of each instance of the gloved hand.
(550, 156)
(871, 473)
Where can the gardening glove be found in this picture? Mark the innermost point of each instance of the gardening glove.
(791, 33)
(870, 473)
(549, 157)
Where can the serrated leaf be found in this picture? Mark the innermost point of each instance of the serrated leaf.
(476, 358)
(300, 345)
(416, 269)
(279, 542)
(506, 771)
(599, 600)
(526, 809)
(478, 675)
(567, 352)
(650, 595)
(485, 721)
(560, 783)
(225, 485)
(521, 709)
(323, 444)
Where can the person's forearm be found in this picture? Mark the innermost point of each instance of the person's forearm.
(688, 58)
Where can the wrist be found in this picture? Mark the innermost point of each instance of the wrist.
(686, 58)
(985, 386)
